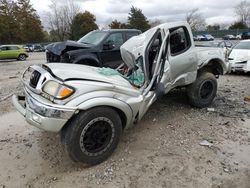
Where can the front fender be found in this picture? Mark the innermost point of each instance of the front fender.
(111, 102)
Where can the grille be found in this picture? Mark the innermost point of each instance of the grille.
(52, 57)
(65, 58)
(34, 78)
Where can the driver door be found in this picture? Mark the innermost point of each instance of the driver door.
(158, 67)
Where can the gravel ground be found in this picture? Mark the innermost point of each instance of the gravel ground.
(163, 150)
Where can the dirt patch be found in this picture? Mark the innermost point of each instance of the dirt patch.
(163, 150)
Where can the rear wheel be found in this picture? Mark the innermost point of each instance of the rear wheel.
(202, 92)
(92, 136)
(22, 57)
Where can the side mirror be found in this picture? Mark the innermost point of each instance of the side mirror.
(109, 45)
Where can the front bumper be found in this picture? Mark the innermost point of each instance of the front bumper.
(48, 117)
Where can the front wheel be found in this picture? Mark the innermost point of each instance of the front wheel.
(202, 92)
(92, 136)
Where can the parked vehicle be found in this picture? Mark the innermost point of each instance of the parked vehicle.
(200, 38)
(208, 37)
(229, 37)
(97, 48)
(38, 48)
(239, 36)
(29, 47)
(13, 52)
(245, 35)
(90, 106)
(239, 57)
(195, 38)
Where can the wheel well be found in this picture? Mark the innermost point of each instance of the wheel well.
(122, 116)
(120, 113)
(213, 66)
(90, 62)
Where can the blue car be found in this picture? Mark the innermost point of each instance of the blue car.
(245, 35)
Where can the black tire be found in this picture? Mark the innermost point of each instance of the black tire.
(202, 92)
(22, 57)
(92, 136)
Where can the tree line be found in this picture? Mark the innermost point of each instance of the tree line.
(241, 10)
(68, 22)
(20, 22)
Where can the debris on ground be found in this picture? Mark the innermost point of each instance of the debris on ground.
(247, 98)
(206, 143)
(226, 170)
(12, 77)
(210, 109)
(6, 97)
(171, 141)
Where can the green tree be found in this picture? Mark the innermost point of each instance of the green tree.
(118, 25)
(29, 22)
(82, 24)
(8, 22)
(19, 22)
(238, 25)
(115, 24)
(213, 27)
(137, 20)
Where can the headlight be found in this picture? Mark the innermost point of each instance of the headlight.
(57, 90)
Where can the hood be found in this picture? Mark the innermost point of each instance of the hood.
(60, 47)
(67, 71)
(239, 55)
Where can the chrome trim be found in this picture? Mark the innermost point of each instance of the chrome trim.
(44, 75)
(49, 110)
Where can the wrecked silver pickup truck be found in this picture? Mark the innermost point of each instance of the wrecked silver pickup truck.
(91, 106)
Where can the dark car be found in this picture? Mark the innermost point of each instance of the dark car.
(229, 37)
(97, 48)
(245, 35)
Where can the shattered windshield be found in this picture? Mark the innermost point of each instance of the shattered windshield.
(135, 77)
(243, 46)
(93, 38)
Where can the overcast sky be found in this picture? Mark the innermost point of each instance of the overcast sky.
(215, 11)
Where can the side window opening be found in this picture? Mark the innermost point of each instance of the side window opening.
(130, 35)
(116, 39)
(179, 40)
(4, 48)
(13, 48)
